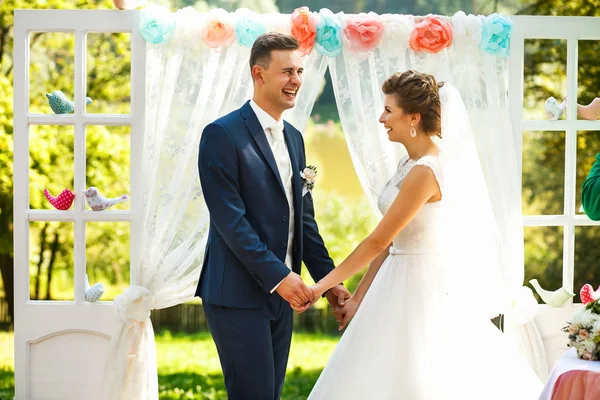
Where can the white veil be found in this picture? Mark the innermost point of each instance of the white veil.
(469, 221)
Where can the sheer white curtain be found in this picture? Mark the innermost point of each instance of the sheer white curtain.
(481, 78)
(188, 85)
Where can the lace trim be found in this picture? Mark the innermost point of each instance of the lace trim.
(432, 163)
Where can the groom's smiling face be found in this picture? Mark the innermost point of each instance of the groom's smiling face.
(282, 79)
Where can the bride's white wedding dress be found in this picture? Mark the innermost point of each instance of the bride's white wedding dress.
(413, 338)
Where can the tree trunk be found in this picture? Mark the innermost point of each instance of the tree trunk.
(3, 36)
(53, 251)
(7, 272)
(40, 262)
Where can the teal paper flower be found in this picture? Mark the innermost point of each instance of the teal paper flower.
(248, 28)
(329, 34)
(495, 35)
(157, 24)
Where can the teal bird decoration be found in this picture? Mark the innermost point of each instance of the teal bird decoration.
(60, 104)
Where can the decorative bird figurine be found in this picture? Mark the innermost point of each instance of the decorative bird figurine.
(553, 109)
(556, 298)
(97, 202)
(129, 4)
(61, 202)
(587, 294)
(60, 104)
(93, 293)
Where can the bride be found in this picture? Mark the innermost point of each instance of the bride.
(421, 327)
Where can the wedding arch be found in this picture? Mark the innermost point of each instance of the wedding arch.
(190, 68)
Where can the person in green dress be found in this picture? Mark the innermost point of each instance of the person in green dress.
(591, 187)
(591, 192)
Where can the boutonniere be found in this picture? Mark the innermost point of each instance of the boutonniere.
(309, 174)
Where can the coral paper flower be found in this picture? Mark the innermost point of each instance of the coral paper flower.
(363, 32)
(431, 35)
(248, 27)
(495, 35)
(304, 29)
(329, 34)
(218, 31)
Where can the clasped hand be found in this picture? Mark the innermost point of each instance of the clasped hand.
(301, 297)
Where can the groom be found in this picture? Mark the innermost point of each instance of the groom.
(261, 227)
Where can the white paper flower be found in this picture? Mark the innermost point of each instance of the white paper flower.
(396, 34)
(189, 23)
(466, 31)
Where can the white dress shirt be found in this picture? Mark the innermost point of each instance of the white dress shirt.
(284, 167)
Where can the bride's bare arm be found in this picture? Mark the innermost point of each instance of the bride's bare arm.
(418, 188)
(367, 280)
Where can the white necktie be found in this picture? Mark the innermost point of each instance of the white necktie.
(277, 130)
(279, 151)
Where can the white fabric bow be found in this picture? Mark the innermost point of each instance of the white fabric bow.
(134, 304)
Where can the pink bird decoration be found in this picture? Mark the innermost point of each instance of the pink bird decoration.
(61, 202)
(588, 295)
(97, 202)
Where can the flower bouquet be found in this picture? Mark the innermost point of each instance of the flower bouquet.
(584, 331)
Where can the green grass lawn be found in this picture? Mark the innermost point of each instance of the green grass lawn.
(188, 366)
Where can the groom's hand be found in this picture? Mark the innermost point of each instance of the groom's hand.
(337, 296)
(295, 292)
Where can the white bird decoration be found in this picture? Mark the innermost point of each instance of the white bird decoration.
(97, 202)
(94, 292)
(556, 298)
(553, 109)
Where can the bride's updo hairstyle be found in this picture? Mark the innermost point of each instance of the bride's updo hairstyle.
(416, 92)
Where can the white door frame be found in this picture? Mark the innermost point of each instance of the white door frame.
(549, 320)
(46, 330)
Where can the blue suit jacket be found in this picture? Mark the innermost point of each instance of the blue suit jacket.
(249, 213)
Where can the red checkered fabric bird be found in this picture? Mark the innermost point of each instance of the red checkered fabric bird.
(61, 202)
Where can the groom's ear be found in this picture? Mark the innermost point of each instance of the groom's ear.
(257, 74)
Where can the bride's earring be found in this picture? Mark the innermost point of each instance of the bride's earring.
(413, 131)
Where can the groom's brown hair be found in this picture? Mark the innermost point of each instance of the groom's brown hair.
(268, 42)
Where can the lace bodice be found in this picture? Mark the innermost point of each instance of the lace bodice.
(423, 234)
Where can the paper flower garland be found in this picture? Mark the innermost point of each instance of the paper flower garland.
(363, 32)
(431, 35)
(218, 30)
(248, 27)
(304, 29)
(329, 34)
(157, 24)
(326, 33)
(495, 35)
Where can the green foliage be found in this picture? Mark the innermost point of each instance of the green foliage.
(345, 224)
(6, 165)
